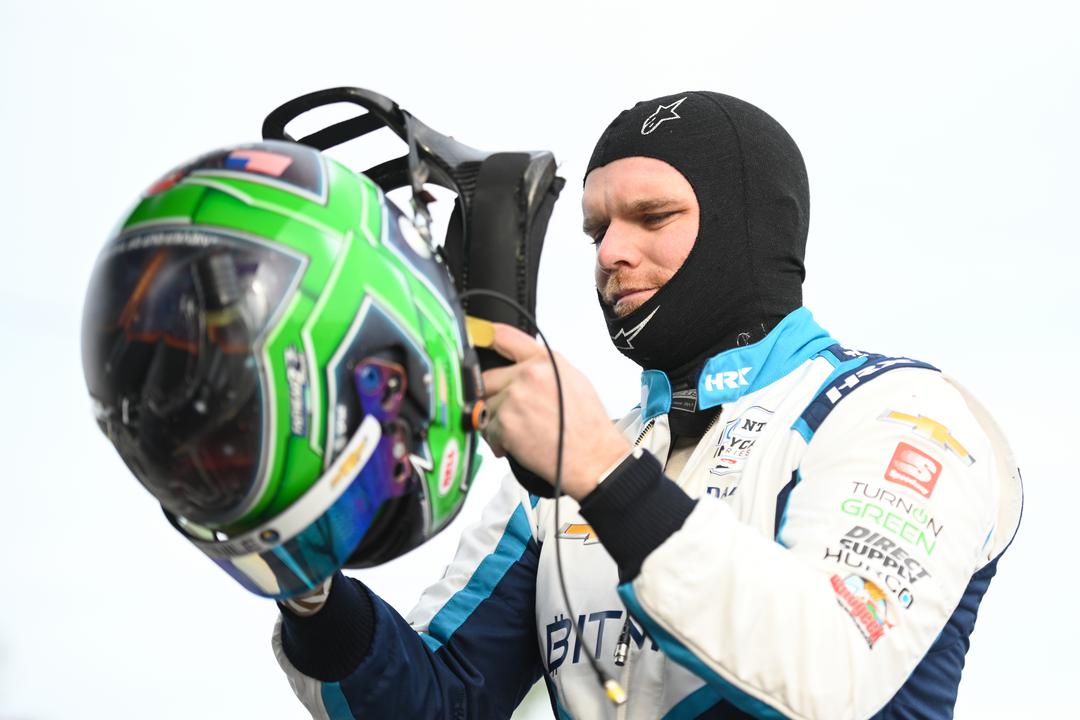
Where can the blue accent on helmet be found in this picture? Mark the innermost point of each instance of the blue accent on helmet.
(286, 557)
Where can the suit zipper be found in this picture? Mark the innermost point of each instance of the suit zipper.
(624, 634)
(644, 431)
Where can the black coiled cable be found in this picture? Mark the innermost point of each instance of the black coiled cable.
(611, 687)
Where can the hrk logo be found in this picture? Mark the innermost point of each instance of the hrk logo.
(662, 114)
(731, 379)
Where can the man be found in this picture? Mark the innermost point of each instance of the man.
(782, 527)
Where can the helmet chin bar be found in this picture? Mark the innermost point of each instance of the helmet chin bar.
(504, 199)
(379, 448)
(300, 515)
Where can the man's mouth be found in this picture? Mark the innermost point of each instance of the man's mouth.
(627, 292)
(629, 298)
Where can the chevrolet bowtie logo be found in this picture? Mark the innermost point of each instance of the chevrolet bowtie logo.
(579, 531)
(932, 430)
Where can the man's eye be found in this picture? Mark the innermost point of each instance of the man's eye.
(656, 218)
(596, 236)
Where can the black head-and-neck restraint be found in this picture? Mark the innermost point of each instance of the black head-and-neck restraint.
(745, 270)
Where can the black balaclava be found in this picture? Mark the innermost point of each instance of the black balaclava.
(745, 270)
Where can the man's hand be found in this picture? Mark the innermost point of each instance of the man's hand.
(524, 415)
(311, 602)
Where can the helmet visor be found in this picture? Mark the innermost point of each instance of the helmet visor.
(296, 551)
(173, 331)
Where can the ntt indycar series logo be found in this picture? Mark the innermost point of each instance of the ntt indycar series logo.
(739, 437)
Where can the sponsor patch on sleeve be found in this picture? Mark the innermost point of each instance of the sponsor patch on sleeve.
(913, 469)
(865, 603)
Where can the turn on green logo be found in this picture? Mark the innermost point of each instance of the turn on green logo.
(896, 524)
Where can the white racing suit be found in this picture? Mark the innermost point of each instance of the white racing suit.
(822, 554)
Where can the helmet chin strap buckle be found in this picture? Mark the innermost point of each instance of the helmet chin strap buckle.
(418, 175)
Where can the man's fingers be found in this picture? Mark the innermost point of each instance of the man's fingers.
(494, 402)
(497, 379)
(490, 434)
(513, 344)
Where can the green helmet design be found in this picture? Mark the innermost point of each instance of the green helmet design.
(281, 360)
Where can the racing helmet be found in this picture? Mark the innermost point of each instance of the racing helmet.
(281, 360)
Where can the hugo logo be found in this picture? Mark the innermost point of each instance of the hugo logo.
(731, 379)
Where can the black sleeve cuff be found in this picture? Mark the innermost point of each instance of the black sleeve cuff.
(635, 510)
(331, 643)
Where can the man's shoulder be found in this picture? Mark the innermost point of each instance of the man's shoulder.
(852, 372)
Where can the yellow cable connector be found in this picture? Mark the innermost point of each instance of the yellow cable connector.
(615, 692)
(481, 332)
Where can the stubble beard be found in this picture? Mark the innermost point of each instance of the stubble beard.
(616, 284)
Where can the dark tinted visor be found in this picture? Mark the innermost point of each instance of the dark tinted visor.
(173, 328)
(297, 550)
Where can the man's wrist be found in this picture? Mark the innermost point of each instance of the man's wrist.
(634, 511)
(583, 478)
(330, 643)
(310, 603)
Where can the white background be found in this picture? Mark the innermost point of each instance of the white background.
(941, 143)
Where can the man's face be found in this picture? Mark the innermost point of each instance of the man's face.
(642, 215)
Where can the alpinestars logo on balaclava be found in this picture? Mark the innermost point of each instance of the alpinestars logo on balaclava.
(664, 112)
(745, 271)
(624, 339)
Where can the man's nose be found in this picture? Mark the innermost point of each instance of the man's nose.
(619, 247)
